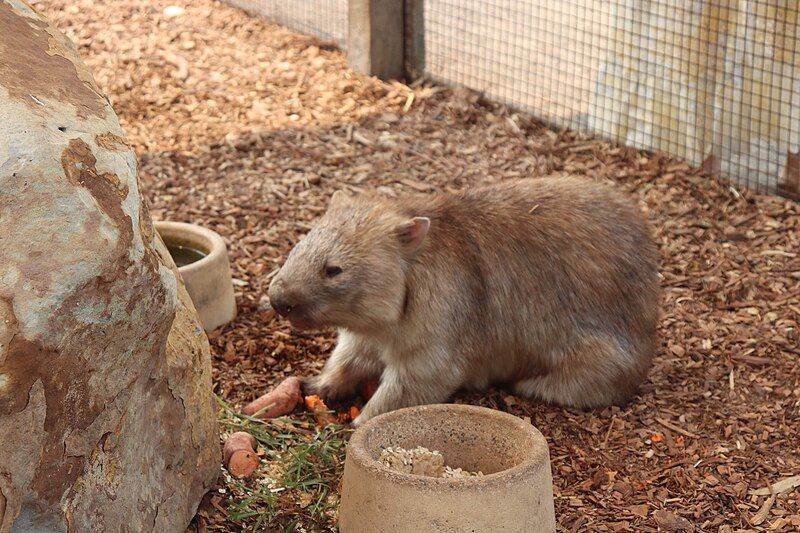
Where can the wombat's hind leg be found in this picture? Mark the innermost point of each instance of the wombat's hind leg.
(595, 372)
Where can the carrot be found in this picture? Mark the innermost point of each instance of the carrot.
(354, 412)
(349, 415)
(239, 454)
(315, 403)
(278, 402)
(321, 412)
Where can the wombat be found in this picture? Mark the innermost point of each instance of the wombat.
(549, 286)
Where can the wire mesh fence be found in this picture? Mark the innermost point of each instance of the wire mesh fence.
(711, 81)
(537, 55)
(325, 19)
(714, 82)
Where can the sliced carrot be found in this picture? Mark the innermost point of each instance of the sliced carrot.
(321, 412)
(239, 454)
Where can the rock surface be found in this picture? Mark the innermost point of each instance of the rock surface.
(107, 419)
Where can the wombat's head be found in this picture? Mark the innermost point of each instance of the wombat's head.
(349, 271)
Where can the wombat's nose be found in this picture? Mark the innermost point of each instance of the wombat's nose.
(280, 306)
(277, 298)
(284, 300)
(280, 302)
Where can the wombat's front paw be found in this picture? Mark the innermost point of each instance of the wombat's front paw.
(326, 388)
(310, 386)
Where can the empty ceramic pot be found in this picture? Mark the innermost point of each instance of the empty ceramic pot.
(202, 260)
(514, 495)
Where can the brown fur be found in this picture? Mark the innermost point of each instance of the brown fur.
(549, 284)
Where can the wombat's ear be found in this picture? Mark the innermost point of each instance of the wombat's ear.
(338, 198)
(412, 232)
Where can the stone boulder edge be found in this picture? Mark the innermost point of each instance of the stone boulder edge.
(107, 419)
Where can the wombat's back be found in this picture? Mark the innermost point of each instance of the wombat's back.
(542, 281)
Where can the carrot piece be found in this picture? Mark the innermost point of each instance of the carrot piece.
(349, 415)
(278, 402)
(315, 404)
(239, 454)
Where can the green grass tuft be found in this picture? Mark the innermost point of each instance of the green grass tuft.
(297, 485)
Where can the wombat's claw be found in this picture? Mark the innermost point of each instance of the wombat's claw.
(325, 391)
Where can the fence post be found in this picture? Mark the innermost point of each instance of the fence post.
(414, 31)
(790, 185)
(375, 37)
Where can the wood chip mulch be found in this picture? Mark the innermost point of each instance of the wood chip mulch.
(247, 127)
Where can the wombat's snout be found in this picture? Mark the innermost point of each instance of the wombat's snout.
(278, 299)
(285, 302)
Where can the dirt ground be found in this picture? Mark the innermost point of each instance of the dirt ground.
(247, 127)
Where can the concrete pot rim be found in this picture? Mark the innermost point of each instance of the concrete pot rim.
(209, 240)
(533, 462)
(208, 280)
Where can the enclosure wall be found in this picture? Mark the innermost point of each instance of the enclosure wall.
(711, 81)
(325, 19)
(714, 82)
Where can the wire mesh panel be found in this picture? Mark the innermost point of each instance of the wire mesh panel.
(711, 81)
(538, 55)
(325, 19)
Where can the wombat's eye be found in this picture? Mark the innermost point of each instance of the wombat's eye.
(332, 271)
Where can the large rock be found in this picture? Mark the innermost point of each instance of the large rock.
(107, 420)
